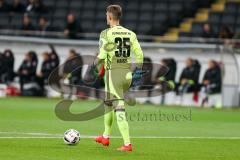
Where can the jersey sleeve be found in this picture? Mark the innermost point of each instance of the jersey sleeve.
(102, 43)
(137, 51)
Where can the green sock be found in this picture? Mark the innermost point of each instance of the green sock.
(108, 121)
(123, 126)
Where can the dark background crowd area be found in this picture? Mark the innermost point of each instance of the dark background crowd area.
(34, 83)
(71, 18)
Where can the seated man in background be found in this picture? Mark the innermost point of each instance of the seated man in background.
(6, 67)
(27, 24)
(54, 57)
(147, 83)
(43, 25)
(212, 80)
(189, 78)
(27, 71)
(72, 71)
(4, 7)
(169, 77)
(208, 32)
(17, 7)
(2, 68)
(72, 27)
(46, 70)
(9, 61)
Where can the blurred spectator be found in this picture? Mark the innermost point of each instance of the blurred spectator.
(45, 71)
(94, 81)
(189, 78)
(54, 58)
(2, 68)
(18, 7)
(43, 25)
(170, 76)
(46, 66)
(9, 61)
(212, 80)
(4, 7)
(27, 25)
(225, 33)
(72, 69)
(148, 67)
(36, 6)
(34, 58)
(39, 7)
(147, 83)
(27, 70)
(72, 27)
(208, 31)
(162, 77)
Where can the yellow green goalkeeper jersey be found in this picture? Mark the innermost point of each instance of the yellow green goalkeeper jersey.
(118, 46)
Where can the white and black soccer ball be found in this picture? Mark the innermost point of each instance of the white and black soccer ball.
(71, 136)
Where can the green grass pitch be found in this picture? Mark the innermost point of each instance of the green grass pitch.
(30, 130)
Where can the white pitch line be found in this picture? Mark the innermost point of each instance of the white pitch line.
(52, 136)
(37, 134)
(143, 137)
(29, 137)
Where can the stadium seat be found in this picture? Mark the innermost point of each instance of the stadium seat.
(16, 21)
(132, 6)
(160, 17)
(238, 20)
(237, 29)
(87, 25)
(231, 8)
(130, 24)
(214, 17)
(175, 7)
(101, 15)
(132, 16)
(59, 24)
(228, 19)
(143, 28)
(146, 17)
(89, 4)
(4, 20)
(146, 6)
(87, 14)
(101, 5)
(100, 26)
(60, 13)
(49, 3)
(62, 4)
(75, 4)
(161, 7)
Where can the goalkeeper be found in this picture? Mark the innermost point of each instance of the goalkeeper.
(117, 46)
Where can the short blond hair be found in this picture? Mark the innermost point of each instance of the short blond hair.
(116, 11)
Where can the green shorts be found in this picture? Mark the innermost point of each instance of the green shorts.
(117, 83)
